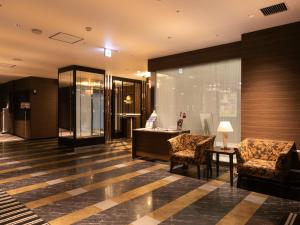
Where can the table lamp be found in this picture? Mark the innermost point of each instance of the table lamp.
(225, 127)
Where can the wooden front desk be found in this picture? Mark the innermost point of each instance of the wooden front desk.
(152, 143)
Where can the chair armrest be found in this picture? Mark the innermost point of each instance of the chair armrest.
(284, 160)
(175, 145)
(202, 146)
(243, 154)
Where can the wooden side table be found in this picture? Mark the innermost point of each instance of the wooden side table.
(219, 151)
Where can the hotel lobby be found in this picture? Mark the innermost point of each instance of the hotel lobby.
(149, 112)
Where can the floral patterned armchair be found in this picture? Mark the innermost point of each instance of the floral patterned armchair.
(190, 149)
(267, 159)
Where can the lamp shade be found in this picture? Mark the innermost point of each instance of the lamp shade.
(225, 126)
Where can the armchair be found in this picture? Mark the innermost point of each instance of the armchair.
(189, 149)
(266, 159)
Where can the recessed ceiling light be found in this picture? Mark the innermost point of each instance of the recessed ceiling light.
(88, 28)
(36, 31)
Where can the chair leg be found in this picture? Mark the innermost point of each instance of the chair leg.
(171, 166)
(238, 183)
(198, 171)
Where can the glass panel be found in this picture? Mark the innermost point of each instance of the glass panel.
(137, 105)
(128, 97)
(89, 104)
(65, 104)
(208, 93)
(118, 102)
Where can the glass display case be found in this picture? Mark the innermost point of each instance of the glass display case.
(81, 105)
(126, 106)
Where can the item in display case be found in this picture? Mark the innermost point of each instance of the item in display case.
(151, 122)
(182, 116)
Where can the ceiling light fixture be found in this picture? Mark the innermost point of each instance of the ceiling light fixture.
(36, 31)
(251, 16)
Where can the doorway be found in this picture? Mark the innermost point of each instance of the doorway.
(126, 106)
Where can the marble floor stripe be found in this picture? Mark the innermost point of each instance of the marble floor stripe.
(69, 158)
(69, 178)
(52, 211)
(30, 155)
(129, 211)
(47, 155)
(5, 165)
(25, 152)
(168, 210)
(23, 148)
(109, 203)
(90, 187)
(275, 211)
(243, 211)
(60, 169)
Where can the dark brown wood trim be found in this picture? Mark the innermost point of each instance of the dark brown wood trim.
(205, 55)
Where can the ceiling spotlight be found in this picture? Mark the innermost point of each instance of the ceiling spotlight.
(36, 31)
(88, 29)
(107, 52)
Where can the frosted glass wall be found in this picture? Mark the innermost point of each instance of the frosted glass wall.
(207, 92)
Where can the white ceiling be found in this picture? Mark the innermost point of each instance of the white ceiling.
(138, 29)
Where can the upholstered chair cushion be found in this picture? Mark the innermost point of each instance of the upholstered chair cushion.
(190, 149)
(264, 158)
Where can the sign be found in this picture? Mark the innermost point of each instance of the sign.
(25, 105)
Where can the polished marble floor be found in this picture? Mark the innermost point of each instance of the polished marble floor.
(43, 182)
(9, 138)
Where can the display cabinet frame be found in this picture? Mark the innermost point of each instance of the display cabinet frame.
(73, 139)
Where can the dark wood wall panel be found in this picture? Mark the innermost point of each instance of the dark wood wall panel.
(270, 83)
(206, 55)
(44, 107)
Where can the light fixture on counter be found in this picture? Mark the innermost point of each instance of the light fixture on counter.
(225, 127)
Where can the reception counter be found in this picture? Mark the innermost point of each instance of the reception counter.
(153, 143)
